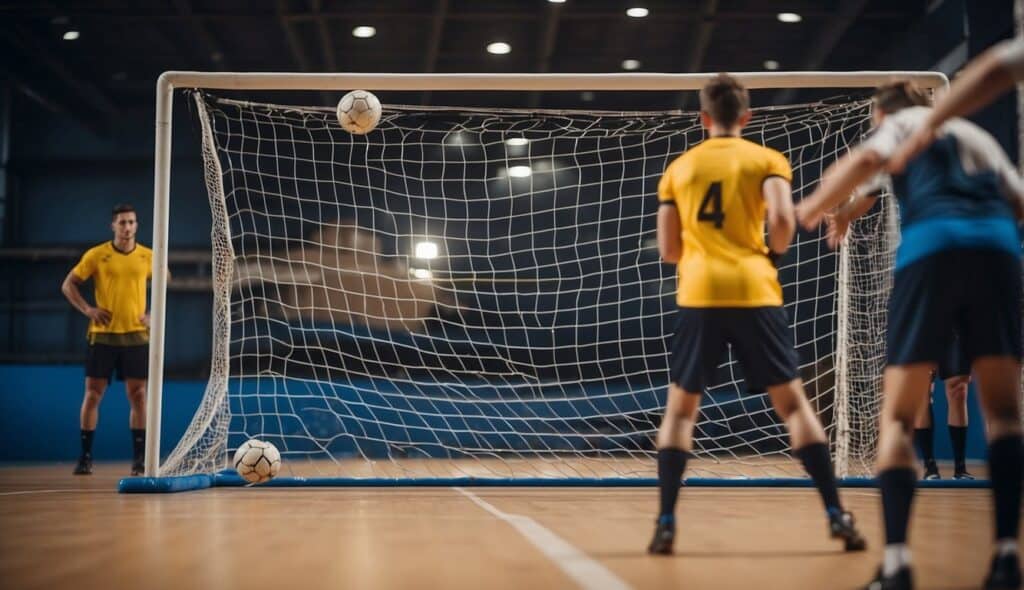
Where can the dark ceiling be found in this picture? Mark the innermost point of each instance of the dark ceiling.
(123, 46)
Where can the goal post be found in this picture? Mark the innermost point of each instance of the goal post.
(848, 319)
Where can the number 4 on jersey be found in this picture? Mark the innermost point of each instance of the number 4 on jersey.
(711, 206)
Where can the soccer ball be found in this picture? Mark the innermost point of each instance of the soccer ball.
(358, 112)
(257, 461)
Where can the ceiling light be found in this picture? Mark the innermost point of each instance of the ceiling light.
(426, 250)
(364, 32)
(515, 141)
(499, 48)
(630, 64)
(557, 1)
(637, 12)
(789, 17)
(71, 35)
(421, 273)
(519, 171)
(771, 64)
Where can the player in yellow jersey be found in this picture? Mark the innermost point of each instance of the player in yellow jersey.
(714, 202)
(118, 329)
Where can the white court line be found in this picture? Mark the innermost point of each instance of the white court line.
(24, 492)
(586, 572)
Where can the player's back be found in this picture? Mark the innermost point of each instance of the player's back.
(717, 190)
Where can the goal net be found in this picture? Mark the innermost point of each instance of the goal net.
(477, 293)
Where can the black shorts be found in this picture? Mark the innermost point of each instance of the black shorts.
(954, 362)
(975, 294)
(760, 338)
(131, 362)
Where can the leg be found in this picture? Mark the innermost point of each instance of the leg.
(999, 386)
(136, 391)
(924, 436)
(810, 446)
(675, 441)
(88, 417)
(956, 396)
(905, 389)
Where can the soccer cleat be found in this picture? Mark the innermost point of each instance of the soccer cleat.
(841, 526)
(138, 468)
(84, 466)
(931, 470)
(901, 580)
(1004, 573)
(664, 538)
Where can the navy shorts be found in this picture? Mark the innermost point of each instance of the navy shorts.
(954, 362)
(975, 294)
(130, 362)
(760, 338)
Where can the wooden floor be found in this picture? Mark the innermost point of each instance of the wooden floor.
(60, 531)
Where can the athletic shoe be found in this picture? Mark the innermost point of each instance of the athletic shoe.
(664, 538)
(1004, 573)
(84, 466)
(138, 468)
(962, 474)
(841, 526)
(931, 470)
(901, 580)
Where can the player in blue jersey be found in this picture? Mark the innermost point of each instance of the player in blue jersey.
(957, 270)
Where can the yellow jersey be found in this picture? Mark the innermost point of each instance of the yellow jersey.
(120, 284)
(716, 189)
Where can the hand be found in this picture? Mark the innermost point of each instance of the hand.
(838, 226)
(917, 143)
(807, 214)
(98, 315)
(144, 318)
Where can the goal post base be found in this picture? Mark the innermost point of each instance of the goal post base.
(130, 485)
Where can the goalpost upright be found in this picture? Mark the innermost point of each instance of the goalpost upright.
(342, 82)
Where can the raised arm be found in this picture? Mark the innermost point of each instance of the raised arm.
(986, 78)
(837, 184)
(778, 198)
(70, 290)
(839, 221)
(670, 237)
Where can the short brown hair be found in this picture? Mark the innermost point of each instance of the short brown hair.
(724, 99)
(121, 208)
(896, 96)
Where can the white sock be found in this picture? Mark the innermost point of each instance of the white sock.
(897, 555)
(1006, 547)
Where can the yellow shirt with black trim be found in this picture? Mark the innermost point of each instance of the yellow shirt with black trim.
(716, 189)
(119, 280)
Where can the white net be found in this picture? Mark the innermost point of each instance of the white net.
(477, 293)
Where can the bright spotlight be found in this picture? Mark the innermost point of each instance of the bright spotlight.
(426, 250)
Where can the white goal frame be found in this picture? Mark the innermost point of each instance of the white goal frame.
(343, 82)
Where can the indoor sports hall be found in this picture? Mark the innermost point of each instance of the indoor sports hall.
(374, 294)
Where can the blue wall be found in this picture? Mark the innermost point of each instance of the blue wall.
(40, 407)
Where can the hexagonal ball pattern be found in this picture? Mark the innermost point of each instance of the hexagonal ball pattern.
(257, 461)
(359, 112)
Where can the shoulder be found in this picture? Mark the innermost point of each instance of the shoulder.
(98, 250)
(144, 250)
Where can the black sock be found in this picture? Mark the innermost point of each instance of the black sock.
(923, 439)
(671, 464)
(87, 441)
(818, 465)
(958, 438)
(897, 487)
(138, 444)
(1005, 472)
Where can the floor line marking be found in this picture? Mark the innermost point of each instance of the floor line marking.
(585, 571)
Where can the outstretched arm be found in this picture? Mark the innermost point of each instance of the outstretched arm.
(837, 184)
(839, 221)
(980, 83)
(670, 237)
